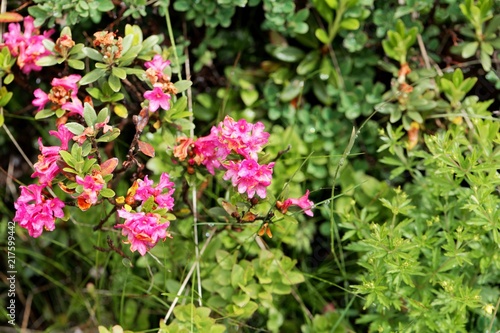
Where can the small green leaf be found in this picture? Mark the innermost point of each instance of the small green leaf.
(288, 53)
(68, 158)
(89, 114)
(8, 79)
(47, 61)
(92, 53)
(485, 61)
(332, 3)
(75, 128)
(107, 193)
(119, 72)
(469, 49)
(105, 5)
(309, 63)
(249, 96)
(114, 83)
(120, 110)
(94, 92)
(60, 113)
(182, 85)
(109, 136)
(240, 299)
(350, 24)
(76, 64)
(45, 113)
(103, 114)
(92, 76)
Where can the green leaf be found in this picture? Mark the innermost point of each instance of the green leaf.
(458, 77)
(105, 5)
(109, 136)
(119, 72)
(469, 49)
(107, 193)
(485, 61)
(309, 63)
(288, 53)
(249, 96)
(350, 24)
(89, 115)
(45, 113)
(103, 114)
(2, 119)
(92, 54)
(237, 274)
(240, 299)
(94, 92)
(292, 278)
(92, 76)
(332, 3)
(75, 128)
(8, 79)
(120, 110)
(292, 90)
(76, 64)
(60, 113)
(225, 260)
(68, 158)
(114, 83)
(47, 61)
(182, 85)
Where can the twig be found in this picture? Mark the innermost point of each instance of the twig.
(113, 248)
(18, 147)
(99, 226)
(423, 51)
(27, 311)
(193, 190)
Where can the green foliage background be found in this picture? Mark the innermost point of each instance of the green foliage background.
(403, 166)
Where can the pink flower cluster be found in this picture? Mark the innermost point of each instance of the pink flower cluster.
(162, 87)
(27, 46)
(91, 187)
(62, 95)
(303, 202)
(244, 139)
(144, 229)
(145, 190)
(36, 212)
(46, 169)
(249, 176)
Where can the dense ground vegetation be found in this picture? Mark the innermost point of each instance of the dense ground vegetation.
(313, 166)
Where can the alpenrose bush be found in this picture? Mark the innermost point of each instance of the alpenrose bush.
(85, 177)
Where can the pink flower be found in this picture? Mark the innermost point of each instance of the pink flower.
(41, 99)
(242, 137)
(63, 95)
(249, 176)
(73, 107)
(46, 169)
(68, 82)
(145, 190)
(28, 46)
(143, 230)
(158, 64)
(303, 202)
(35, 212)
(91, 187)
(210, 151)
(157, 98)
